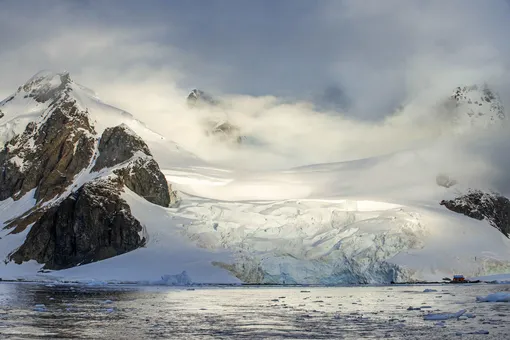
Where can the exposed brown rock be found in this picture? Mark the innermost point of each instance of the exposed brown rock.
(142, 174)
(144, 177)
(117, 145)
(93, 224)
(52, 154)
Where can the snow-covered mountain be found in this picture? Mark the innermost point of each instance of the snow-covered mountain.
(88, 192)
(74, 177)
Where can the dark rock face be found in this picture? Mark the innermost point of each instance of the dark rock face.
(91, 225)
(51, 154)
(142, 175)
(95, 223)
(479, 205)
(117, 145)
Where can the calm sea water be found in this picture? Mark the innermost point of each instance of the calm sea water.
(35, 311)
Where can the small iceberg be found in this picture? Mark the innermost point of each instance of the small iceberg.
(495, 297)
(39, 308)
(96, 283)
(181, 279)
(444, 316)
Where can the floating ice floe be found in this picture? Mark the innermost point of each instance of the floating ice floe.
(97, 283)
(481, 331)
(40, 308)
(495, 297)
(181, 279)
(444, 316)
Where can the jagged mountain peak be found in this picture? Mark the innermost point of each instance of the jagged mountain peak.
(45, 85)
(47, 91)
(199, 97)
(48, 76)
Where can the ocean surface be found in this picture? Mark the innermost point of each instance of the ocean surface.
(50, 311)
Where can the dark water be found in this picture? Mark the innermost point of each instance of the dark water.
(120, 312)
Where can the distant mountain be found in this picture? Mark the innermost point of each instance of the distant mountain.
(217, 126)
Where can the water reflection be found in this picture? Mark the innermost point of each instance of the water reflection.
(74, 312)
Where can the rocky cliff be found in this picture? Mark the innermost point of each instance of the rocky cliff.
(476, 204)
(92, 224)
(77, 177)
(51, 151)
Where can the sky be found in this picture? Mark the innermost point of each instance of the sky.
(376, 55)
(310, 81)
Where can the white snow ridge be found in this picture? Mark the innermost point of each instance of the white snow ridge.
(349, 220)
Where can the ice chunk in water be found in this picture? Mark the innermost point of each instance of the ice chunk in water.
(444, 316)
(181, 279)
(40, 308)
(496, 297)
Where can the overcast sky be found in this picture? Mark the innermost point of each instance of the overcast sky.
(379, 53)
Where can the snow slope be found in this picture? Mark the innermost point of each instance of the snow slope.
(370, 220)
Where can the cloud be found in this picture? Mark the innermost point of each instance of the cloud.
(396, 50)
(380, 54)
